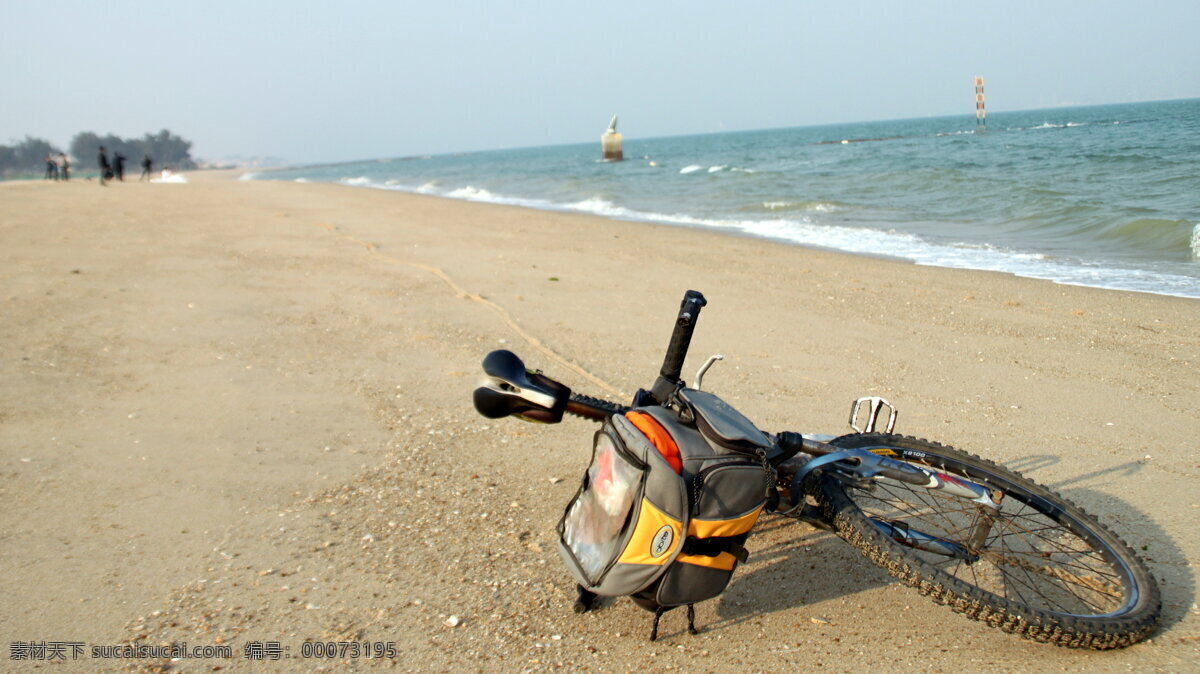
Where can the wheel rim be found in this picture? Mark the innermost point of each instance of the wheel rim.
(1035, 554)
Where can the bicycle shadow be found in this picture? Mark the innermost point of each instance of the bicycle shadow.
(1167, 562)
(792, 564)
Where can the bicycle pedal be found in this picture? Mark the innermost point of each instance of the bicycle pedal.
(874, 409)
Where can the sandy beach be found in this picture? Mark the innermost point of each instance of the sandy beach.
(238, 412)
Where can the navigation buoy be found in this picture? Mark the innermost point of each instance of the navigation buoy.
(610, 142)
(980, 110)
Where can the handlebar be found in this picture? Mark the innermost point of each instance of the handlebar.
(591, 408)
(681, 338)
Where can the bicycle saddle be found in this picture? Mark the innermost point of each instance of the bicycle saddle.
(508, 389)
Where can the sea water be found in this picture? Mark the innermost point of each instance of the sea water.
(1102, 196)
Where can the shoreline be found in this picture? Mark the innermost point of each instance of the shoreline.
(732, 230)
(240, 410)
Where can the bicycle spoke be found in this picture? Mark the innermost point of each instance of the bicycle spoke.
(1032, 562)
(1037, 568)
(1064, 575)
(1031, 558)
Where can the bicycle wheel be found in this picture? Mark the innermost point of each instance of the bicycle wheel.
(1039, 567)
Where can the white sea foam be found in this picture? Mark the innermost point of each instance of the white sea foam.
(814, 206)
(716, 168)
(983, 257)
(803, 231)
(300, 180)
(1049, 125)
(471, 193)
(466, 193)
(363, 181)
(1196, 242)
(600, 206)
(248, 176)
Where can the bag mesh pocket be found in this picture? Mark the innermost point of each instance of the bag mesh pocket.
(592, 526)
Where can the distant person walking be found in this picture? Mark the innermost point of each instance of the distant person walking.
(147, 163)
(105, 169)
(119, 166)
(51, 168)
(64, 166)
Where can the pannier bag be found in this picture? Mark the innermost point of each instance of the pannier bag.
(663, 511)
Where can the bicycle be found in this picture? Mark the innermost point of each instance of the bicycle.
(965, 531)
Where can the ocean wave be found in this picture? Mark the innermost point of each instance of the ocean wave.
(812, 206)
(248, 176)
(715, 168)
(1050, 125)
(1158, 234)
(600, 206)
(428, 188)
(1196, 242)
(471, 193)
(363, 181)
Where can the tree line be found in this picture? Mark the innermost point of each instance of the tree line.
(29, 155)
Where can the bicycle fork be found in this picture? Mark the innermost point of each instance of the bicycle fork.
(861, 468)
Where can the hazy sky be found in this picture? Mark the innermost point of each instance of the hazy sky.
(351, 80)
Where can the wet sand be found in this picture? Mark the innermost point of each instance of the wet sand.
(240, 411)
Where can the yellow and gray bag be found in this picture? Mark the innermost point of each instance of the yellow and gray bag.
(665, 507)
